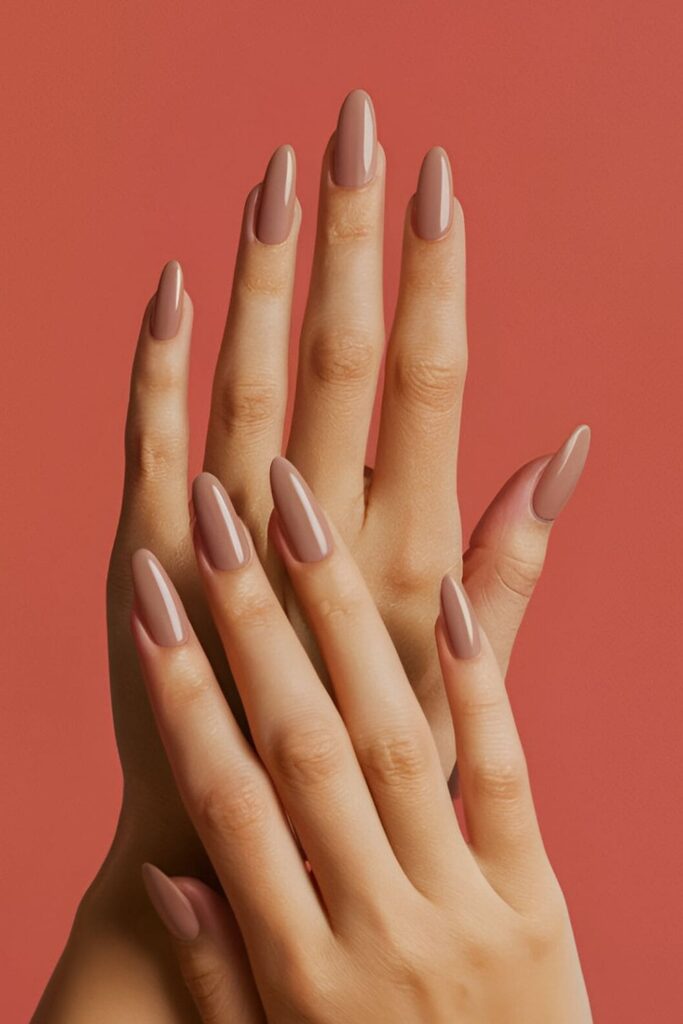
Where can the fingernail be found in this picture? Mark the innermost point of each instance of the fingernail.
(433, 203)
(462, 630)
(222, 532)
(561, 475)
(160, 607)
(172, 906)
(168, 302)
(304, 524)
(355, 143)
(275, 208)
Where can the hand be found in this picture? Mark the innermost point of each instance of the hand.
(401, 522)
(400, 917)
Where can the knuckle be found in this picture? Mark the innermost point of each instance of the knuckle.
(153, 454)
(412, 573)
(157, 377)
(234, 809)
(428, 383)
(263, 277)
(351, 218)
(343, 356)
(207, 983)
(249, 405)
(394, 759)
(309, 753)
(503, 781)
(518, 576)
(254, 611)
(346, 607)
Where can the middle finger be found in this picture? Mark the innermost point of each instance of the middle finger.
(343, 332)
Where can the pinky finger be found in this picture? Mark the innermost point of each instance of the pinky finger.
(208, 946)
(493, 777)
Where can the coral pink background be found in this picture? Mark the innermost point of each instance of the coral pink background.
(131, 133)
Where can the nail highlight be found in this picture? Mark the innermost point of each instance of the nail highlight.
(354, 159)
(433, 202)
(223, 534)
(275, 207)
(462, 630)
(561, 475)
(157, 601)
(172, 906)
(168, 303)
(302, 518)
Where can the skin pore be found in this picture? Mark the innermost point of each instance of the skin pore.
(400, 522)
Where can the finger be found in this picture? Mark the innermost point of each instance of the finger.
(223, 785)
(208, 946)
(426, 362)
(297, 731)
(157, 431)
(343, 333)
(389, 732)
(492, 771)
(507, 549)
(249, 394)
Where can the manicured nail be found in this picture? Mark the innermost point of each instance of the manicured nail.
(172, 906)
(222, 532)
(160, 607)
(168, 302)
(275, 207)
(304, 524)
(355, 143)
(433, 202)
(561, 475)
(462, 630)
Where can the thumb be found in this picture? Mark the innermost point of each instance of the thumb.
(208, 946)
(507, 549)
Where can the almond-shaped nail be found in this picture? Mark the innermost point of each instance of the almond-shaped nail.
(304, 523)
(157, 601)
(275, 207)
(354, 159)
(462, 630)
(168, 302)
(172, 906)
(433, 202)
(223, 534)
(561, 475)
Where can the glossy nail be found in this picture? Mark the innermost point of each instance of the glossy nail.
(275, 207)
(172, 906)
(168, 302)
(223, 534)
(433, 202)
(304, 524)
(354, 159)
(561, 475)
(157, 601)
(462, 630)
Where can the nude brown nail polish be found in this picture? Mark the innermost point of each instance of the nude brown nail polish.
(304, 523)
(561, 475)
(462, 630)
(157, 601)
(433, 201)
(275, 207)
(354, 158)
(168, 303)
(172, 905)
(223, 534)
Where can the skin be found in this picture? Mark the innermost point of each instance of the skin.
(400, 522)
(406, 920)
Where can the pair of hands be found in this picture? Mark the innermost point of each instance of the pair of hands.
(353, 895)
(399, 523)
